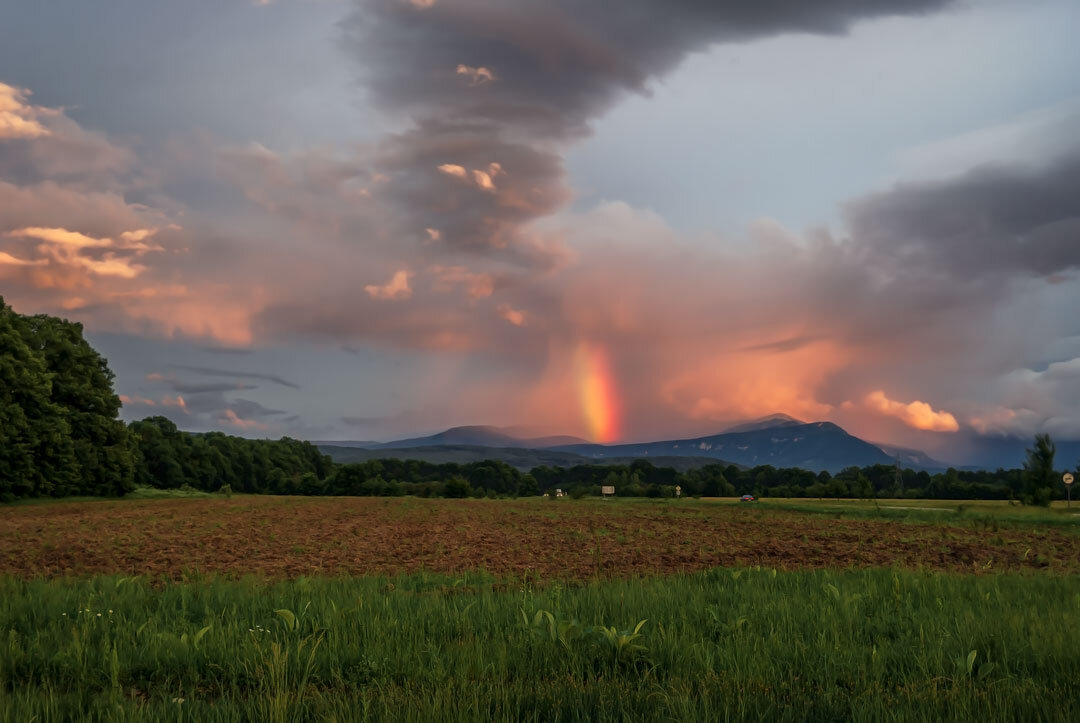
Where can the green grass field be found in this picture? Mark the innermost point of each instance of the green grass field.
(971, 512)
(722, 645)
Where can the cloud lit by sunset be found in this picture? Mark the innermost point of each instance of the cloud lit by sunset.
(419, 224)
(918, 415)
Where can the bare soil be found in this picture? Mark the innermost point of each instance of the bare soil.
(286, 537)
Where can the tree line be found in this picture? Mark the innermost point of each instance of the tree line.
(60, 435)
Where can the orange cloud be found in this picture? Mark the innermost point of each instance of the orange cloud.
(177, 401)
(73, 303)
(453, 169)
(515, 317)
(207, 311)
(9, 260)
(125, 399)
(918, 415)
(18, 119)
(62, 249)
(476, 76)
(481, 178)
(397, 288)
(230, 417)
(110, 265)
(61, 236)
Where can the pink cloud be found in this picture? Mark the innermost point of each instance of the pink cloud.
(397, 288)
(918, 415)
(19, 119)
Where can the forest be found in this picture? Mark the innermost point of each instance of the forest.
(60, 436)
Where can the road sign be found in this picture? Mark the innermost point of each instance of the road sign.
(1068, 478)
(678, 491)
(607, 490)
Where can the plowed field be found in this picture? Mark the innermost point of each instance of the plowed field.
(286, 537)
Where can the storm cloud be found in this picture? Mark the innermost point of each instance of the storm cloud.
(496, 90)
(991, 221)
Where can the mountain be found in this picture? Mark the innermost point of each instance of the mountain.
(814, 446)
(480, 436)
(344, 443)
(770, 422)
(475, 436)
(522, 458)
(913, 458)
(779, 440)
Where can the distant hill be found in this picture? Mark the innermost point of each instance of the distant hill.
(814, 446)
(770, 422)
(480, 436)
(519, 457)
(912, 457)
(344, 443)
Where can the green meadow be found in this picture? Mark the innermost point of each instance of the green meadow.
(750, 644)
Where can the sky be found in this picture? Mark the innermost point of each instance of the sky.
(621, 219)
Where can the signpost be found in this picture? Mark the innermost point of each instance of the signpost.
(678, 491)
(1068, 480)
(607, 490)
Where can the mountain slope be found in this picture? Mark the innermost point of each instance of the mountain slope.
(914, 458)
(770, 422)
(814, 446)
(480, 436)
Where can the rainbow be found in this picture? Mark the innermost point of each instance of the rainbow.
(596, 388)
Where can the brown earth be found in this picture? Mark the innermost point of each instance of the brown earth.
(285, 537)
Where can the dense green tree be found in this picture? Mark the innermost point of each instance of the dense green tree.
(82, 386)
(59, 432)
(1039, 473)
(457, 486)
(35, 449)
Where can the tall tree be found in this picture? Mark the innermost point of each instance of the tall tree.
(1039, 474)
(82, 388)
(36, 452)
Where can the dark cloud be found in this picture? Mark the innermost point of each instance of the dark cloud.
(556, 65)
(509, 83)
(988, 222)
(188, 388)
(441, 177)
(210, 371)
(782, 345)
(247, 409)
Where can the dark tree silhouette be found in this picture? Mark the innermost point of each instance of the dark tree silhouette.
(1039, 474)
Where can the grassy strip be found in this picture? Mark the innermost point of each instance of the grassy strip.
(751, 644)
(979, 515)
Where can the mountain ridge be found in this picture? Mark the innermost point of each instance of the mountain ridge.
(778, 439)
(813, 446)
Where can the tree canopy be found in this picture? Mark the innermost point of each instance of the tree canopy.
(59, 431)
